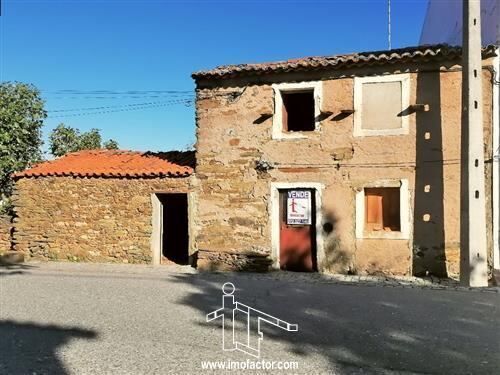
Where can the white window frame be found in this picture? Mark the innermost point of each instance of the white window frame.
(404, 211)
(277, 131)
(358, 104)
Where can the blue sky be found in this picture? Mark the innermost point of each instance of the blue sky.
(149, 47)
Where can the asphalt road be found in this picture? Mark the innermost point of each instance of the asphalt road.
(100, 319)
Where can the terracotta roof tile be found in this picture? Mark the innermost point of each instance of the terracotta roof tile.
(115, 163)
(402, 55)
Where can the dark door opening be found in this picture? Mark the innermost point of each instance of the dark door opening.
(175, 234)
(298, 230)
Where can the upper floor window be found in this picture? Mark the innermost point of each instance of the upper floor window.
(296, 109)
(379, 105)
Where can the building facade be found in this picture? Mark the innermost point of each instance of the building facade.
(345, 164)
(339, 164)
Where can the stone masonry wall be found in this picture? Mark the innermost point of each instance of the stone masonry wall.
(5, 233)
(87, 219)
(233, 197)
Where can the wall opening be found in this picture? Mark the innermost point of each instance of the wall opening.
(298, 111)
(174, 228)
(382, 209)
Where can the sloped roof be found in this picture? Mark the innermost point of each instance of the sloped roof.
(115, 163)
(439, 52)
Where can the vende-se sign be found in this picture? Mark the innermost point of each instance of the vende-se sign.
(298, 207)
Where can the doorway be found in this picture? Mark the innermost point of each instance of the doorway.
(297, 230)
(174, 228)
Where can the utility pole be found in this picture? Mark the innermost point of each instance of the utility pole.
(473, 255)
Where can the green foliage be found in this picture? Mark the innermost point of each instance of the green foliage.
(64, 139)
(111, 144)
(21, 119)
(90, 140)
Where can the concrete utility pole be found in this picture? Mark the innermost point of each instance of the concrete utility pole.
(473, 256)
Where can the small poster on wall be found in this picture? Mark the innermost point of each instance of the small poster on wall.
(299, 207)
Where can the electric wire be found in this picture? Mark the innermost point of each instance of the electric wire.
(187, 103)
(117, 106)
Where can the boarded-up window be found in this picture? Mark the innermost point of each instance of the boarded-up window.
(382, 211)
(381, 105)
(298, 111)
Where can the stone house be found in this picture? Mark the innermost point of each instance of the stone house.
(107, 206)
(347, 163)
(342, 164)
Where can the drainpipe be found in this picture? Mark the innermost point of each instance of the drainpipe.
(473, 253)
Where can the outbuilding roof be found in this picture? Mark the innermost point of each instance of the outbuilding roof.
(439, 52)
(115, 163)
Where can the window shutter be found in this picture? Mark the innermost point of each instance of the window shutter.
(374, 213)
(284, 114)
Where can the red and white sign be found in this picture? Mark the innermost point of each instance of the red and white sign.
(298, 207)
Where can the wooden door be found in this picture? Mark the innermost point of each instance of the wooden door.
(297, 241)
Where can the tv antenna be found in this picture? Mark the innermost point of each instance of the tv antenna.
(389, 23)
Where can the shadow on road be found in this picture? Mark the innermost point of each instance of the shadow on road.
(27, 348)
(14, 269)
(374, 328)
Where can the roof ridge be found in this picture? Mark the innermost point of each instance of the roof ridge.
(101, 151)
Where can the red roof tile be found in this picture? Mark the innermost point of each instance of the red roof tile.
(439, 52)
(115, 163)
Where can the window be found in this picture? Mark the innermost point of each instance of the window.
(296, 109)
(380, 104)
(382, 210)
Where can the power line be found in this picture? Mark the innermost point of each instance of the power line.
(105, 97)
(115, 92)
(181, 101)
(397, 164)
(185, 102)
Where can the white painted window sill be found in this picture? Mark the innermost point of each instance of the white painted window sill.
(381, 235)
(290, 136)
(381, 132)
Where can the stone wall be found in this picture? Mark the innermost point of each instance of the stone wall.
(234, 203)
(5, 233)
(87, 219)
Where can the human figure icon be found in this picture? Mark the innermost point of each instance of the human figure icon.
(231, 310)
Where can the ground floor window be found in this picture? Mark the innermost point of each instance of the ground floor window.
(382, 210)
